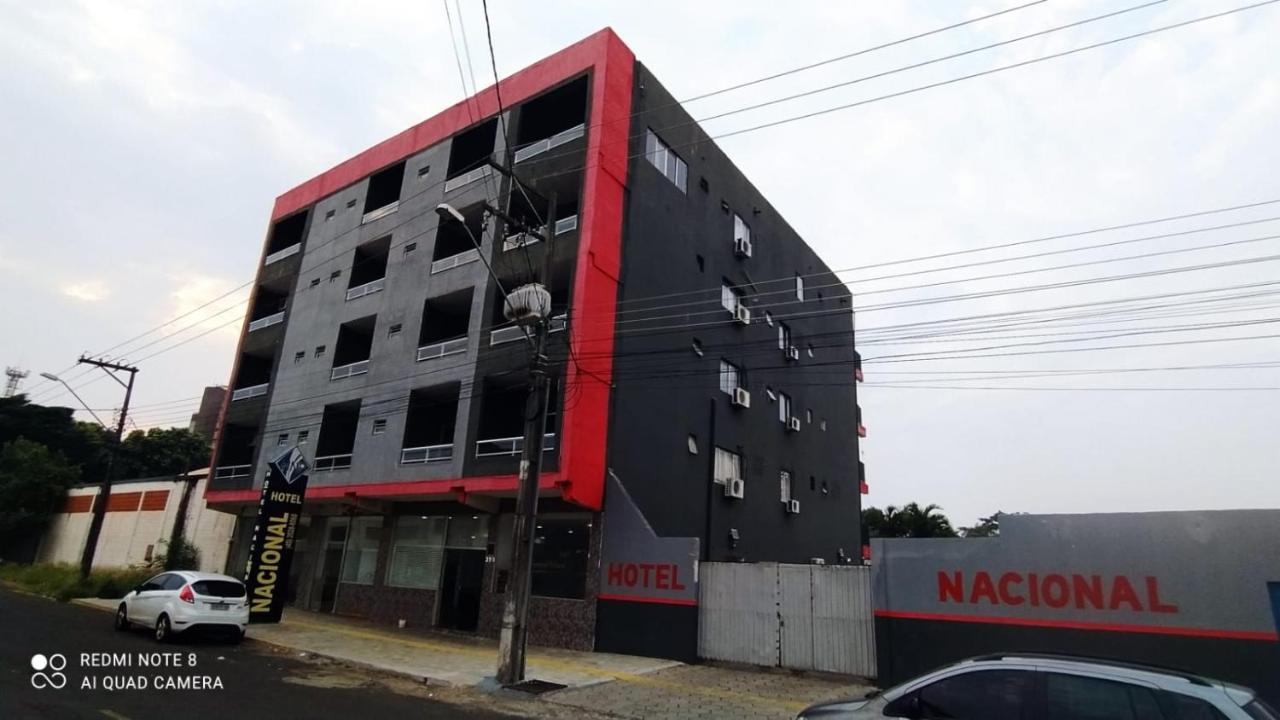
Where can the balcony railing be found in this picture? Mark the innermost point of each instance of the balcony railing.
(267, 321)
(252, 391)
(381, 212)
(367, 289)
(497, 447)
(453, 261)
(345, 371)
(227, 472)
(332, 462)
(512, 333)
(516, 240)
(466, 179)
(546, 144)
(426, 454)
(440, 349)
(282, 254)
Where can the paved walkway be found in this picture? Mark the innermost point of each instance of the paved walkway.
(620, 685)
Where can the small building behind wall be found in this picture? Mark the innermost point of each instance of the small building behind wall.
(1197, 591)
(139, 523)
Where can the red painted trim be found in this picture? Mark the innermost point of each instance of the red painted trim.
(864, 488)
(655, 601)
(584, 430)
(1084, 625)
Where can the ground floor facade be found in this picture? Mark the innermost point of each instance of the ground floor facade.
(444, 566)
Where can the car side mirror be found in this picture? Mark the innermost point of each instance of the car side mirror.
(138, 588)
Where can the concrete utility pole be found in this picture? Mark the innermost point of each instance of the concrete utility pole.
(104, 488)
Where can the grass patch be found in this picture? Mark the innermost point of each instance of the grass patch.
(62, 581)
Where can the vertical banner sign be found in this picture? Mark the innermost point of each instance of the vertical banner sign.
(272, 548)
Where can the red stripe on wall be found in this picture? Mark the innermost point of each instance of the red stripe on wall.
(155, 500)
(77, 503)
(651, 600)
(124, 502)
(1083, 625)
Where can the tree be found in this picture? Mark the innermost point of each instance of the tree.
(33, 481)
(80, 443)
(162, 451)
(909, 521)
(986, 527)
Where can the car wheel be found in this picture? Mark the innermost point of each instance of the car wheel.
(122, 617)
(163, 630)
(236, 637)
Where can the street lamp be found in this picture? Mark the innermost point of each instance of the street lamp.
(55, 378)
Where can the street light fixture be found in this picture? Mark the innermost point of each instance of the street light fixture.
(55, 378)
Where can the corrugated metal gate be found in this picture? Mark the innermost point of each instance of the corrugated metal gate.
(805, 617)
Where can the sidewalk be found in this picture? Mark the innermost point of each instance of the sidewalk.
(620, 685)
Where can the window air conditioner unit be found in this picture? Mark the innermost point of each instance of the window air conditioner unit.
(742, 247)
(735, 488)
(793, 425)
(793, 507)
(741, 398)
(793, 353)
(742, 314)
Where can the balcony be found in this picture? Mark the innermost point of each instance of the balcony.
(266, 322)
(546, 144)
(467, 178)
(453, 261)
(426, 454)
(228, 472)
(282, 254)
(359, 367)
(510, 446)
(253, 391)
(325, 463)
(366, 289)
(380, 213)
(519, 240)
(440, 349)
(511, 333)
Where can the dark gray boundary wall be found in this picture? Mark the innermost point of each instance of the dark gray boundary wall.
(1198, 591)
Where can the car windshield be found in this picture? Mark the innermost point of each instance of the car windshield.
(219, 588)
(1259, 710)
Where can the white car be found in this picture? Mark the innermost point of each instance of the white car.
(177, 601)
(1026, 686)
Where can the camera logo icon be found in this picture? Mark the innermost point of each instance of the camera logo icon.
(54, 678)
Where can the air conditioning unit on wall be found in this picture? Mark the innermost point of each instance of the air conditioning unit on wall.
(735, 488)
(793, 507)
(742, 247)
(793, 425)
(741, 398)
(742, 315)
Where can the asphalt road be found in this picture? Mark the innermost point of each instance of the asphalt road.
(255, 682)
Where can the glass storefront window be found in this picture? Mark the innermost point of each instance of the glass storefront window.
(417, 552)
(560, 549)
(469, 532)
(361, 560)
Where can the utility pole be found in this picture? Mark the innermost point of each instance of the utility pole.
(104, 488)
(515, 612)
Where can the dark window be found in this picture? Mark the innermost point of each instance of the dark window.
(329, 215)
(379, 426)
(218, 588)
(319, 351)
(560, 558)
(1259, 710)
(394, 330)
(384, 188)
(422, 171)
(410, 247)
(983, 695)
(155, 583)
(335, 275)
(315, 282)
(470, 149)
(287, 232)
(1072, 697)
(298, 356)
(1185, 707)
(173, 582)
(351, 203)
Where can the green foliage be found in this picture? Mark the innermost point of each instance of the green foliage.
(33, 481)
(62, 581)
(82, 444)
(162, 451)
(909, 521)
(986, 527)
(180, 555)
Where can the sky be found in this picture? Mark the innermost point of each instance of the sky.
(146, 141)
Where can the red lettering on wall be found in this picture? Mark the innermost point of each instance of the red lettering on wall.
(982, 588)
(646, 568)
(1033, 582)
(1006, 595)
(630, 574)
(663, 580)
(1057, 592)
(615, 574)
(1087, 589)
(1153, 598)
(951, 588)
(675, 578)
(1122, 592)
(661, 576)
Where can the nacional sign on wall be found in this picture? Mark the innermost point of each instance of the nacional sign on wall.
(271, 551)
(1206, 574)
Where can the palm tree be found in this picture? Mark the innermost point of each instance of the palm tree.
(910, 520)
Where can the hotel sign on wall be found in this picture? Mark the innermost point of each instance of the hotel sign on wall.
(271, 552)
(640, 566)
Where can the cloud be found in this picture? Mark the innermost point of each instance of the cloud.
(90, 291)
